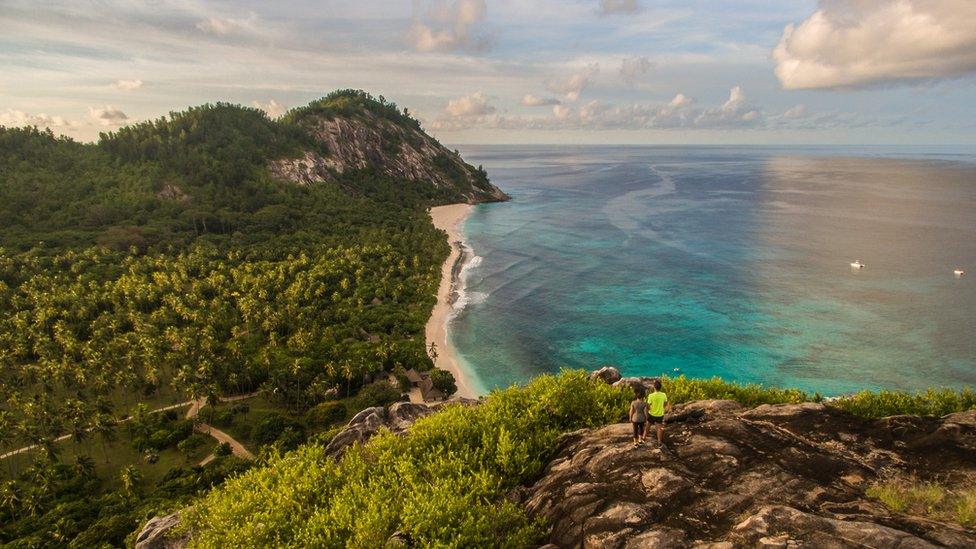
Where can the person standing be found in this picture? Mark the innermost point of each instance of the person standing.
(659, 405)
(638, 417)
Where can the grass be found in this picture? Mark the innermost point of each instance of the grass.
(110, 457)
(929, 499)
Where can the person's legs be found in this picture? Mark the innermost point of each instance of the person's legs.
(637, 430)
(660, 432)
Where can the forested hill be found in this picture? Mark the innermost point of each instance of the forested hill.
(211, 253)
(223, 171)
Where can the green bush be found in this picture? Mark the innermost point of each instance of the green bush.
(682, 389)
(933, 402)
(380, 393)
(410, 483)
(222, 449)
(325, 414)
(272, 427)
(443, 381)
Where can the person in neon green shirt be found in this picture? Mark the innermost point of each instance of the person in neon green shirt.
(657, 400)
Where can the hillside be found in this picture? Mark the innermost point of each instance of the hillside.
(351, 134)
(551, 463)
(172, 264)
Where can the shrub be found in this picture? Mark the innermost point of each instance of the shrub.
(682, 389)
(325, 414)
(443, 381)
(224, 418)
(271, 427)
(933, 402)
(192, 443)
(222, 449)
(380, 393)
(410, 483)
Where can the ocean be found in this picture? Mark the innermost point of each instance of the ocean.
(724, 261)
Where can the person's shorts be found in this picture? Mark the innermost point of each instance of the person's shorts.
(655, 419)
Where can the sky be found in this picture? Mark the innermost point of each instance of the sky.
(512, 71)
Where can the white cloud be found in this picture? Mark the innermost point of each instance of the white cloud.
(535, 101)
(796, 111)
(475, 104)
(272, 107)
(608, 7)
(858, 43)
(14, 118)
(108, 115)
(127, 85)
(450, 27)
(736, 111)
(572, 86)
(632, 68)
(465, 112)
(678, 113)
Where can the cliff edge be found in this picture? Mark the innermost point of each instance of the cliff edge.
(790, 475)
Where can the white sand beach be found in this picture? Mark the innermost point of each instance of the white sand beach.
(449, 219)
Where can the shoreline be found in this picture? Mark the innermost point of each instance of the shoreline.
(449, 219)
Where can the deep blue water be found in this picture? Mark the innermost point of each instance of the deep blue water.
(725, 261)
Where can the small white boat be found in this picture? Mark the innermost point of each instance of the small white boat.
(857, 264)
(958, 272)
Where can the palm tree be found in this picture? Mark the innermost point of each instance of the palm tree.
(130, 477)
(10, 496)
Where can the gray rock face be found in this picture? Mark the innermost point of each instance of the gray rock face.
(772, 476)
(365, 140)
(158, 534)
(607, 374)
(397, 418)
(638, 384)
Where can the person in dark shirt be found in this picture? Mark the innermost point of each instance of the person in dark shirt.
(638, 417)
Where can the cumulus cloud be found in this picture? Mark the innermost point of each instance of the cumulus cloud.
(632, 68)
(127, 85)
(464, 112)
(272, 107)
(450, 26)
(608, 7)
(572, 86)
(108, 115)
(736, 111)
(796, 111)
(535, 101)
(679, 112)
(14, 118)
(859, 43)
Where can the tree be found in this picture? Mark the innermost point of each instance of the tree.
(130, 479)
(443, 381)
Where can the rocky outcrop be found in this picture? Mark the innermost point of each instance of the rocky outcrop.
(158, 534)
(397, 418)
(348, 142)
(607, 374)
(771, 476)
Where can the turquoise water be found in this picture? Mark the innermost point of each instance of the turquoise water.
(725, 261)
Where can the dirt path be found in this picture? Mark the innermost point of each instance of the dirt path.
(236, 447)
(192, 412)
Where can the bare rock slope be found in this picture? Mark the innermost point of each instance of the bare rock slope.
(365, 140)
(770, 476)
